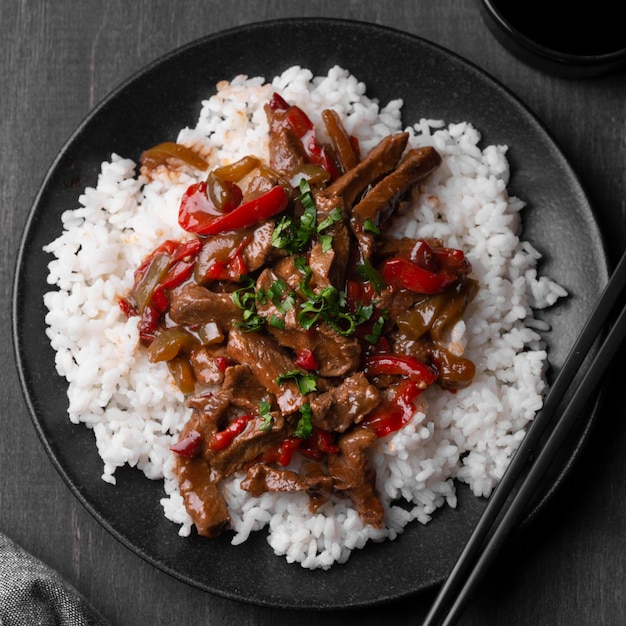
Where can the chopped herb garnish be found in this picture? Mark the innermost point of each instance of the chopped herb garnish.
(333, 217)
(276, 322)
(264, 413)
(304, 428)
(276, 292)
(368, 272)
(306, 382)
(377, 330)
(306, 197)
(293, 236)
(246, 298)
(369, 226)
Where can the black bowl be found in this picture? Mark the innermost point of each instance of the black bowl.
(569, 41)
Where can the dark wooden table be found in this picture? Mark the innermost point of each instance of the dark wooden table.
(58, 60)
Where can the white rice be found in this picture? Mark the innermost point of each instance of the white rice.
(134, 408)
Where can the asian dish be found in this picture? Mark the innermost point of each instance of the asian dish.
(303, 314)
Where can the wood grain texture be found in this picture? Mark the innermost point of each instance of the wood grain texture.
(57, 61)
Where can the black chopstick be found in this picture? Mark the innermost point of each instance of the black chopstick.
(509, 504)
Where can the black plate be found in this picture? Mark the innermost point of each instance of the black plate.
(150, 108)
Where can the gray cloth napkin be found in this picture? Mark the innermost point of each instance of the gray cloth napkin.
(31, 593)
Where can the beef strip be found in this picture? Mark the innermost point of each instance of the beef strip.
(379, 203)
(331, 267)
(256, 253)
(205, 363)
(286, 151)
(248, 446)
(211, 406)
(354, 475)
(340, 407)
(245, 390)
(276, 307)
(417, 164)
(336, 355)
(253, 243)
(262, 477)
(378, 162)
(402, 246)
(286, 270)
(193, 304)
(268, 361)
(201, 495)
(203, 500)
(321, 262)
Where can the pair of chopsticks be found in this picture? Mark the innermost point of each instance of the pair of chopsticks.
(510, 499)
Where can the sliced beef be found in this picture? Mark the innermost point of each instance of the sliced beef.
(340, 407)
(201, 495)
(330, 266)
(261, 478)
(210, 407)
(354, 475)
(208, 364)
(268, 361)
(254, 244)
(245, 390)
(336, 355)
(321, 262)
(286, 270)
(286, 150)
(403, 246)
(277, 303)
(246, 447)
(203, 500)
(381, 200)
(259, 248)
(379, 203)
(378, 162)
(193, 305)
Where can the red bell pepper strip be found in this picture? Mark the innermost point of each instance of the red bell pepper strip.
(400, 365)
(222, 363)
(306, 359)
(159, 299)
(168, 247)
(196, 210)
(148, 324)
(222, 438)
(287, 449)
(318, 444)
(187, 250)
(127, 307)
(197, 214)
(403, 273)
(189, 445)
(178, 273)
(393, 415)
(436, 258)
(233, 268)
